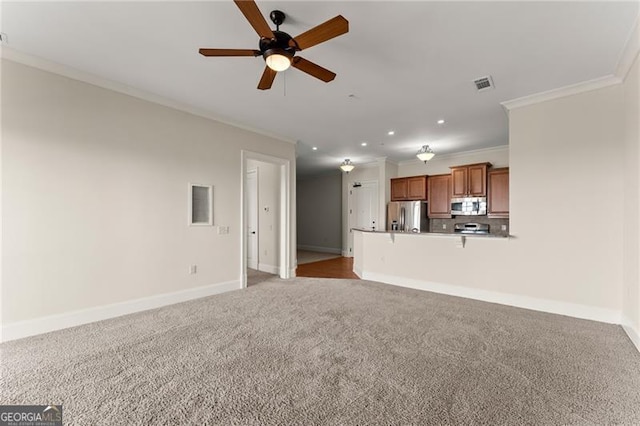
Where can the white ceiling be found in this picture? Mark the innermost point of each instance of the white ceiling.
(402, 66)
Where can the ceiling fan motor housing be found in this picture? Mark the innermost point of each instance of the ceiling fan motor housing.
(279, 44)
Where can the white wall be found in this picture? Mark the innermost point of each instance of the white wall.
(566, 186)
(94, 195)
(268, 215)
(631, 211)
(565, 158)
(387, 170)
(319, 207)
(369, 172)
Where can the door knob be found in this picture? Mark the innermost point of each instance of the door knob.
(253, 232)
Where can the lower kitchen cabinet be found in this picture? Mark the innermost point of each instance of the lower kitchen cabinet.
(439, 194)
(498, 194)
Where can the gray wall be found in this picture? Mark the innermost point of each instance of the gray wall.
(319, 204)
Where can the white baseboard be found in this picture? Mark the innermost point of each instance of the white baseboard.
(631, 331)
(357, 271)
(562, 308)
(331, 250)
(269, 269)
(20, 329)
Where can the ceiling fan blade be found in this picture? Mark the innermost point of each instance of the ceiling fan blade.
(323, 32)
(250, 10)
(267, 78)
(312, 69)
(229, 52)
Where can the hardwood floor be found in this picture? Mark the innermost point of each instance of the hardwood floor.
(341, 267)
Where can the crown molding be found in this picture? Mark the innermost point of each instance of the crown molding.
(459, 154)
(561, 92)
(85, 77)
(628, 56)
(368, 164)
(630, 51)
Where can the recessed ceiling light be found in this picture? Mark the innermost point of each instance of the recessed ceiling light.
(441, 121)
(363, 144)
(391, 133)
(315, 148)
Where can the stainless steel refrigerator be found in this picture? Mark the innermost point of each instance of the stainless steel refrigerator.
(407, 216)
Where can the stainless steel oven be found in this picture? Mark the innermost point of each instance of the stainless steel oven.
(469, 206)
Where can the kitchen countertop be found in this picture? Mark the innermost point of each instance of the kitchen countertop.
(434, 234)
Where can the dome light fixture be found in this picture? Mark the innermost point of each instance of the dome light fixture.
(425, 154)
(278, 59)
(347, 166)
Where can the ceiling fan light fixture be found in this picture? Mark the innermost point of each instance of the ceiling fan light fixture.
(347, 166)
(425, 154)
(278, 59)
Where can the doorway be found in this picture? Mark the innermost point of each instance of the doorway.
(363, 209)
(251, 200)
(266, 237)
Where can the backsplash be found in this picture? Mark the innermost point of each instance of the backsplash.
(495, 225)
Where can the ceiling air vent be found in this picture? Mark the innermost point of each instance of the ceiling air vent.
(483, 83)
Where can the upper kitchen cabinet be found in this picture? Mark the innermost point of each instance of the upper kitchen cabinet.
(439, 196)
(469, 180)
(498, 198)
(399, 189)
(409, 188)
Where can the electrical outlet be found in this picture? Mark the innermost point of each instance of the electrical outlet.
(193, 269)
(503, 227)
(444, 226)
(222, 230)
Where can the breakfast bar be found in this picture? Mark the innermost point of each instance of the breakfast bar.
(455, 264)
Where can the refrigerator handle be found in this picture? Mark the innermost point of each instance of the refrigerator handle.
(402, 218)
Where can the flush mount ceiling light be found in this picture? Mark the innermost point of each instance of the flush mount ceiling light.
(441, 121)
(425, 154)
(391, 133)
(347, 166)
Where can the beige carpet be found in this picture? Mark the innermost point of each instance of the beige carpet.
(256, 277)
(331, 352)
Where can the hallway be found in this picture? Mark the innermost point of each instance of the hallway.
(341, 267)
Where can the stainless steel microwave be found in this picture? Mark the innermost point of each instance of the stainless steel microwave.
(469, 206)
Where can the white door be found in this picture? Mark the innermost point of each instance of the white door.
(251, 201)
(363, 209)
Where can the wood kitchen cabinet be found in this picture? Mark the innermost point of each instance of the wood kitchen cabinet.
(409, 188)
(469, 180)
(439, 193)
(498, 194)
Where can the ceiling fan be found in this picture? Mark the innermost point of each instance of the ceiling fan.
(278, 48)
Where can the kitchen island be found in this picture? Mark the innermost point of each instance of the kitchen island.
(495, 269)
(457, 264)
